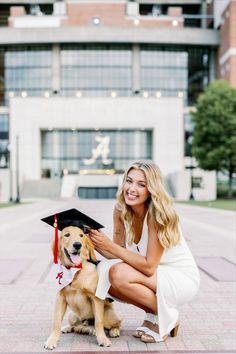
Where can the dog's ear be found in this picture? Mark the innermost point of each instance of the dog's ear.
(90, 247)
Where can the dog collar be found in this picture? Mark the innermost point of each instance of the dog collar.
(94, 262)
(78, 266)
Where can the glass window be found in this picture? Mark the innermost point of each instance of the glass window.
(174, 71)
(4, 123)
(90, 150)
(27, 71)
(198, 72)
(164, 71)
(4, 153)
(96, 70)
(97, 192)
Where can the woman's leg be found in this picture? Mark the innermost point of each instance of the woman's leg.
(133, 287)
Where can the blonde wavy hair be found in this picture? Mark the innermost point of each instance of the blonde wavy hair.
(159, 204)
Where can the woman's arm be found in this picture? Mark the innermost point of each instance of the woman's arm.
(118, 234)
(147, 265)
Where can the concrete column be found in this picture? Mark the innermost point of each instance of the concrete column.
(212, 63)
(204, 14)
(136, 68)
(56, 67)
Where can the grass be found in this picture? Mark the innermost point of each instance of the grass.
(217, 204)
(8, 204)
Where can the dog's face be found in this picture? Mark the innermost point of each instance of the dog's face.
(74, 246)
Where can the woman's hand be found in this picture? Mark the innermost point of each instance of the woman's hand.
(100, 240)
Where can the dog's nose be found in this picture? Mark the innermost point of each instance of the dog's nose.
(77, 245)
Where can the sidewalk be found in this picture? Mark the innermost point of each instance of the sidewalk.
(27, 294)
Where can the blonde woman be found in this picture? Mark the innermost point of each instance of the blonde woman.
(148, 262)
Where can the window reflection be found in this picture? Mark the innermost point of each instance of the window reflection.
(70, 150)
(164, 70)
(96, 69)
(173, 69)
(27, 69)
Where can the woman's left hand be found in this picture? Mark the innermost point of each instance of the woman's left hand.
(100, 240)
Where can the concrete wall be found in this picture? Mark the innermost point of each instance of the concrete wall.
(73, 34)
(182, 188)
(4, 185)
(28, 116)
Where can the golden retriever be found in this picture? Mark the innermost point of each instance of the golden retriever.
(79, 295)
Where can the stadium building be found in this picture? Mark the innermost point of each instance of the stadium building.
(87, 87)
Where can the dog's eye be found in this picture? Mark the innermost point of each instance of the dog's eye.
(81, 235)
(67, 234)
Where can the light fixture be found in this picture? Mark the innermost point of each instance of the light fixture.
(46, 94)
(78, 94)
(50, 129)
(145, 94)
(158, 94)
(136, 22)
(96, 21)
(24, 94)
(180, 94)
(65, 172)
(113, 94)
(175, 23)
(11, 94)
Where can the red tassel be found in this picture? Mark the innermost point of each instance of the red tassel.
(56, 240)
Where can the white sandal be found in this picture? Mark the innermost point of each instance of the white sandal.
(151, 336)
(142, 329)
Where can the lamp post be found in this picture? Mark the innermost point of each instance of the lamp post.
(17, 171)
(191, 167)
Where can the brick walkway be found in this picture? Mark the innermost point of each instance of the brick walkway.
(27, 294)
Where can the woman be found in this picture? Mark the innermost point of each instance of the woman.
(152, 266)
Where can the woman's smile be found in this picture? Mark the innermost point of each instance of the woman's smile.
(131, 196)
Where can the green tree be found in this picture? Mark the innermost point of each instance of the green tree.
(214, 137)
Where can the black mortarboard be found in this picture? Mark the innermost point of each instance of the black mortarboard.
(72, 217)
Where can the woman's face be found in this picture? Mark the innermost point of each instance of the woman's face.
(135, 188)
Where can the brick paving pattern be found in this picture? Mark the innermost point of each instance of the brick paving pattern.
(27, 291)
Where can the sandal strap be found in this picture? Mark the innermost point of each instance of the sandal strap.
(152, 318)
(156, 336)
(142, 328)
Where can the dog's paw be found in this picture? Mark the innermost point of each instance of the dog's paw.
(51, 343)
(114, 332)
(67, 329)
(103, 341)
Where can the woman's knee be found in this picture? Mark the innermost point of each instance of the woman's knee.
(117, 275)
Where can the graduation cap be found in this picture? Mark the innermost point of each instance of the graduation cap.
(70, 217)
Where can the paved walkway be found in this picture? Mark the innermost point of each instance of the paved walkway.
(27, 294)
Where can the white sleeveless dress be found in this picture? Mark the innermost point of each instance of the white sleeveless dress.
(178, 279)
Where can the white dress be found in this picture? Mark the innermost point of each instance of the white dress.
(178, 279)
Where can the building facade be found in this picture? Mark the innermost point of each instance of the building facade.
(87, 87)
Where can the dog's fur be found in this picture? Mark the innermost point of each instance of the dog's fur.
(79, 295)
